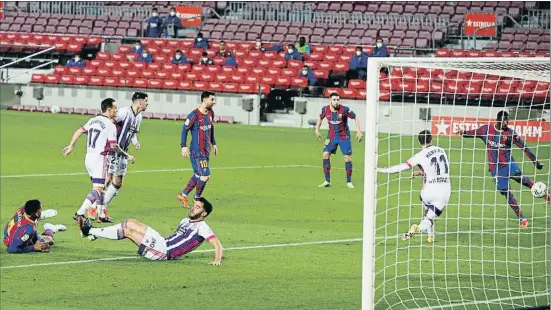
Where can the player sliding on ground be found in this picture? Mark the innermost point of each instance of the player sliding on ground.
(128, 120)
(436, 191)
(498, 138)
(20, 234)
(339, 136)
(189, 235)
(201, 124)
(102, 137)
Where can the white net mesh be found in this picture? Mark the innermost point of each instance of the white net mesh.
(481, 257)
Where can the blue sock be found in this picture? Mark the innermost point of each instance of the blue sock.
(348, 166)
(199, 188)
(190, 185)
(327, 169)
(527, 182)
(513, 204)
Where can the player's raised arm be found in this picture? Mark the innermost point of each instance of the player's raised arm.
(475, 133)
(69, 148)
(217, 251)
(520, 143)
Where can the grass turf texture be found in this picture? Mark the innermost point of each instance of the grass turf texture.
(262, 205)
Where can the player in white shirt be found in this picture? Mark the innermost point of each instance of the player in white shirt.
(128, 120)
(189, 235)
(435, 194)
(102, 134)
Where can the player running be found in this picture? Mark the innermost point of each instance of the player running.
(102, 134)
(498, 138)
(436, 191)
(339, 135)
(201, 124)
(20, 234)
(190, 234)
(128, 120)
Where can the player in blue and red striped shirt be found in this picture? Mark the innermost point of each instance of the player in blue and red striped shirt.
(20, 234)
(499, 138)
(200, 122)
(339, 136)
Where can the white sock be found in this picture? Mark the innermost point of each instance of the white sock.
(110, 193)
(112, 232)
(426, 226)
(101, 210)
(84, 207)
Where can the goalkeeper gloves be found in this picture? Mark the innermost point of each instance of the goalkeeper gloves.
(539, 165)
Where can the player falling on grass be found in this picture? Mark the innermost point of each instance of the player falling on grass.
(435, 194)
(190, 234)
(20, 234)
(498, 138)
(128, 120)
(102, 137)
(201, 125)
(339, 136)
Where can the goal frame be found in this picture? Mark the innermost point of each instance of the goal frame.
(371, 151)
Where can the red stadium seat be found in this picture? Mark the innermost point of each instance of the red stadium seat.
(238, 78)
(299, 81)
(169, 84)
(222, 78)
(283, 82)
(279, 63)
(110, 81)
(183, 68)
(124, 49)
(330, 90)
(356, 84)
(192, 76)
(168, 67)
(219, 61)
(247, 89)
(125, 82)
(111, 64)
(176, 75)
(103, 56)
(349, 93)
(125, 65)
(140, 83)
(162, 75)
(289, 72)
(267, 80)
(155, 83)
(213, 69)
(148, 74)
(228, 70)
(52, 79)
(96, 81)
(206, 77)
(60, 70)
(362, 95)
(200, 85)
(118, 73)
(38, 78)
(185, 85)
(230, 88)
(244, 70)
(216, 86)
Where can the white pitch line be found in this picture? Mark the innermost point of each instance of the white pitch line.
(528, 230)
(491, 301)
(150, 171)
(253, 247)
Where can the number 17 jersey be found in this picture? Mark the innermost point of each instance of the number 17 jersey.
(101, 133)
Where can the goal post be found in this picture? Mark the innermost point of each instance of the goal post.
(481, 257)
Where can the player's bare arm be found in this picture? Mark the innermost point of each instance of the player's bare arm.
(318, 125)
(69, 148)
(395, 169)
(217, 252)
(215, 149)
(136, 141)
(416, 174)
(359, 134)
(41, 246)
(119, 150)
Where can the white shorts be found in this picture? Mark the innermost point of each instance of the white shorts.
(435, 198)
(96, 164)
(117, 165)
(153, 245)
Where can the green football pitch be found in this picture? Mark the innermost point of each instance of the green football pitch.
(288, 244)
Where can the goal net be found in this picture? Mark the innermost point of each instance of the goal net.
(480, 257)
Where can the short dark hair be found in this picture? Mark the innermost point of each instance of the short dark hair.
(334, 94)
(138, 95)
(177, 51)
(154, 10)
(359, 48)
(205, 54)
(206, 94)
(106, 104)
(173, 8)
(291, 45)
(199, 34)
(502, 115)
(222, 42)
(425, 137)
(207, 206)
(32, 206)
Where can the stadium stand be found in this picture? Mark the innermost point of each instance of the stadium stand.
(332, 31)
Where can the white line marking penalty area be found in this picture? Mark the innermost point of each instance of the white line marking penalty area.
(253, 247)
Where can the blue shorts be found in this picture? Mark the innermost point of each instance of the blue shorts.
(200, 164)
(504, 173)
(331, 146)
